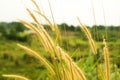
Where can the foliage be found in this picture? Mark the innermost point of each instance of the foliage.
(13, 31)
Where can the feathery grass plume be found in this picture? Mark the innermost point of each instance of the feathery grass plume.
(35, 19)
(46, 41)
(32, 15)
(38, 8)
(92, 43)
(66, 75)
(71, 70)
(79, 72)
(39, 34)
(58, 34)
(62, 57)
(49, 22)
(103, 77)
(43, 36)
(49, 41)
(15, 76)
(41, 59)
(53, 17)
(53, 27)
(34, 2)
(106, 58)
(76, 71)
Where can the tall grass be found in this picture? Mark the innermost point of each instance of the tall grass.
(62, 66)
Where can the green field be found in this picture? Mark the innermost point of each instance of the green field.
(14, 60)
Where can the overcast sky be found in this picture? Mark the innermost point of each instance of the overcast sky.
(64, 11)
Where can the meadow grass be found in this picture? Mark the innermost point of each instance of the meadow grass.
(61, 66)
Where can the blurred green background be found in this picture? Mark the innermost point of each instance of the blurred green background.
(14, 60)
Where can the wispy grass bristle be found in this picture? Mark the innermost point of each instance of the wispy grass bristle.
(43, 37)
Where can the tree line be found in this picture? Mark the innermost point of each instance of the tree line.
(16, 31)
